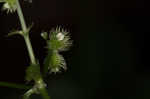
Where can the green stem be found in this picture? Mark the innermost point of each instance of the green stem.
(30, 50)
(14, 85)
(26, 35)
(42, 90)
(21, 17)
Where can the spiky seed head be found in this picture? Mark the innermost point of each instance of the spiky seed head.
(9, 5)
(59, 40)
(57, 62)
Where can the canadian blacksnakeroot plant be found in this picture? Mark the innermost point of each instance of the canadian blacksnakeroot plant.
(57, 40)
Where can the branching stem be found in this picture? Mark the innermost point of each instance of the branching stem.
(26, 35)
(42, 90)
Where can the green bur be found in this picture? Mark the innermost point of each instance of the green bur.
(58, 40)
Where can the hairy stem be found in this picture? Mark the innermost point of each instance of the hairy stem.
(26, 35)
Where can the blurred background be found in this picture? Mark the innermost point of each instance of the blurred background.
(109, 58)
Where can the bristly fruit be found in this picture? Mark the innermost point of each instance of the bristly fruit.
(56, 62)
(58, 40)
(9, 5)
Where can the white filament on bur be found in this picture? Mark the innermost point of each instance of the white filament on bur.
(60, 36)
(6, 5)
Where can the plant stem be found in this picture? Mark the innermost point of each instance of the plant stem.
(42, 90)
(26, 35)
(14, 85)
(30, 50)
(44, 93)
(21, 17)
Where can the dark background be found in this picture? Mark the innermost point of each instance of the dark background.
(110, 54)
